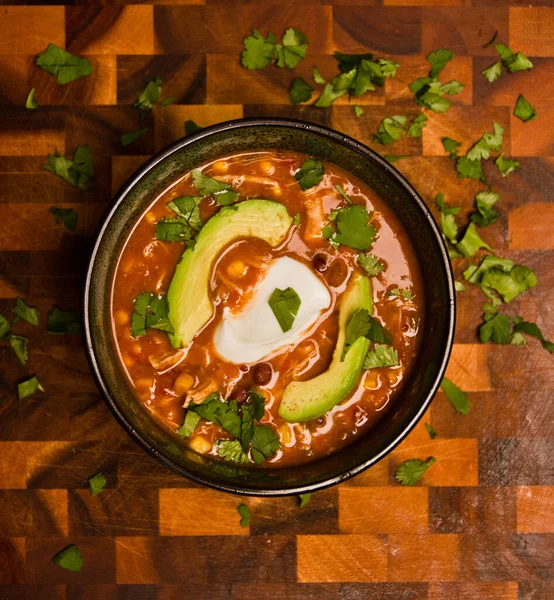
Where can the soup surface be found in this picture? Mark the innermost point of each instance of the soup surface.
(237, 300)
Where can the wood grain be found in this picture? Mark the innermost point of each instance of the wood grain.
(478, 525)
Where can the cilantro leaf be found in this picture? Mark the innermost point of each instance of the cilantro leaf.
(388, 67)
(509, 285)
(493, 72)
(19, 346)
(305, 499)
(297, 219)
(150, 95)
(381, 356)
(449, 227)
(65, 67)
(438, 60)
(67, 216)
(518, 339)
(370, 263)
(5, 330)
(224, 414)
(391, 158)
(452, 88)
(151, 310)
(471, 242)
(417, 125)
(457, 398)
(231, 450)
(300, 91)
(471, 169)
(63, 321)
(446, 210)
(451, 146)
(265, 443)
(485, 214)
(188, 209)
(69, 558)
(391, 129)
(258, 51)
(133, 136)
(523, 110)
(77, 172)
(344, 195)
(406, 293)
(513, 61)
(506, 166)
(191, 127)
(293, 48)
(169, 229)
(362, 324)
(31, 103)
(221, 191)
(521, 326)
(244, 513)
(285, 305)
(97, 483)
(317, 77)
(310, 173)
(189, 425)
(496, 329)
(353, 228)
(432, 433)
(489, 142)
(26, 312)
(358, 110)
(28, 388)
(409, 472)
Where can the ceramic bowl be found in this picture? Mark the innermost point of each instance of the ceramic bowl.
(322, 143)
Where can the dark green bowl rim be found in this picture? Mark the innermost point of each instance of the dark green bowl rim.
(365, 153)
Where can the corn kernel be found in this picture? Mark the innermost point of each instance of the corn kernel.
(237, 269)
(221, 166)
(200, 444)
(285, 434)
(372, 380)
(122, 317)
(267, 167)
(150, 217)
(183, 383)
(136, 349)
(129, 361)
(144, 383)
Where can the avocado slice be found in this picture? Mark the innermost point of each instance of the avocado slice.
(190, 306)
(307, 400)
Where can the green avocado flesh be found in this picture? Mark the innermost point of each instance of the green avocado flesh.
(307, 400)
(190, 306)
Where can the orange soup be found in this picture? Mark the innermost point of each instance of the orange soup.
(266, 308)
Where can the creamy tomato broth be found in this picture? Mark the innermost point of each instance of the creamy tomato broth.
(168, 379)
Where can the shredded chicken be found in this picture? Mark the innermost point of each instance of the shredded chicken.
(316, 219)
(238, 180)
(166, 360)
(200, 393)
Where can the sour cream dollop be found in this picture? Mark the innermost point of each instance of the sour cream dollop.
(254, 333)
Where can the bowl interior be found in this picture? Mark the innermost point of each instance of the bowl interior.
(324, 144)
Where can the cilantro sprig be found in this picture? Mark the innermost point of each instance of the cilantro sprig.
(151, 311)
(512, 61)
(78, 171)
(260, 52)
(208, 186)
(352, 227)
(457, 397)
(242, 422)
(428, 91)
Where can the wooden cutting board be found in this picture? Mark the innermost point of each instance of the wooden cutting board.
(480, 523)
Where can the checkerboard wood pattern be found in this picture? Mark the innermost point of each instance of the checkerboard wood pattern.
(480, 523)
